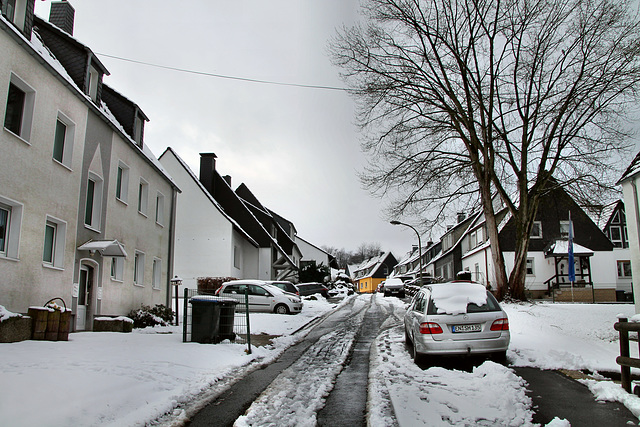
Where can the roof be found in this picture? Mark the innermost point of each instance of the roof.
(369, 266)
(44, 55)
(110, 248)
(560, 248)
(632, 169)
(209, 196)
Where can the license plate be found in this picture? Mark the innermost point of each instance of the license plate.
(466, 328)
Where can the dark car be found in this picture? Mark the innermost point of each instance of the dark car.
(285, 286)
(313, 288)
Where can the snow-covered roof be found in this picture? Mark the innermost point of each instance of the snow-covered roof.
(561, 247)
(632, 170)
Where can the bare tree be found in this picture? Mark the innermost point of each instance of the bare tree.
(460, 101)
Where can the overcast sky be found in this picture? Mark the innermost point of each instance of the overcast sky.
(296, 148)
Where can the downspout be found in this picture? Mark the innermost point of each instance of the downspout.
(171, 254)
(637, 218)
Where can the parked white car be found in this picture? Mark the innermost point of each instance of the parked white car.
(456, 318)
(262, 296)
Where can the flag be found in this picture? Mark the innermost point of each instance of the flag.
(572, 268)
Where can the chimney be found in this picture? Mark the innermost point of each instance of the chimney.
(207, 170)
(461, 217)
(61, 15)
(228, 179)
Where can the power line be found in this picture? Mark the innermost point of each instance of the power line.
(221, 76)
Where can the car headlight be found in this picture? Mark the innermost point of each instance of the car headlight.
(294, 300)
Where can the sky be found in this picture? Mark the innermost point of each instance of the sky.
(151, 372)
(297, 149)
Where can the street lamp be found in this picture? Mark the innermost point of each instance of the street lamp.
(394, 222)
(177, 281)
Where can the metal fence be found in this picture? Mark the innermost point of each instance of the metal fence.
(241, 326)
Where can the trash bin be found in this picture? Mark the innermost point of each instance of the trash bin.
(212, 319)
(620, 297)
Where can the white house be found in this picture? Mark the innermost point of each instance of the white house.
(86, 210)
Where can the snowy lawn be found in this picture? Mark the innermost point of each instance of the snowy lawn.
(548, 336)
(114, 379)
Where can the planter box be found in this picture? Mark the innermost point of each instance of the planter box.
(15, 329)
(112, 324)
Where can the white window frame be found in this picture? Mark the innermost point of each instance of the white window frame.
(117, 269)
(160, 208)
(565, 225)
(69, 136)
(27, 108)
(138, 268)
(96, 205)
(620, 263)
(19, 14)
(14, 226)
(619, 240)
(539, 234)
(59, 239)
(157, 273)
(143, 197)
(94, 78)
(531, 264)
(124, 182)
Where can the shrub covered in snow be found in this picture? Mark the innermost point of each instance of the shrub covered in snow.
(148, 316)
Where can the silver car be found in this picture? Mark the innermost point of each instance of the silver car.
(456, 318)
(262, 296)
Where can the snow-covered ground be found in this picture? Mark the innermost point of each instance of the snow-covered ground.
(115, 379)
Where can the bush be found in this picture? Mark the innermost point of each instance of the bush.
(211, 284)
(148, 316)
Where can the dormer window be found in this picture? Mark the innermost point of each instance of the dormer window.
(137, 131)
(16, 12)
(92, 85)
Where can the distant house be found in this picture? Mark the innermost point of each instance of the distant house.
(630, 181)
(217, 233)
(370, 273)
(449, 261)
(547, 259)
(409, 265)
(86, 210)
(313, 254)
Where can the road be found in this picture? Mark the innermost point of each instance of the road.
(319, 381)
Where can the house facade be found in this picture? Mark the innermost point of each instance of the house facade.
(86, 211)
(313, 254)
(547, 258)
(218, 235)
(371, 272)
(630, 181)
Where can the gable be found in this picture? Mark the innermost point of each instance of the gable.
(554, 208)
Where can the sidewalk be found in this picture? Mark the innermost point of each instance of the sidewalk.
(556, 395)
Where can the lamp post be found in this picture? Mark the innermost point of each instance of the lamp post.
(177, 281)
(394, 222)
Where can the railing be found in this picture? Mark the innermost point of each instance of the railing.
(241, 325)
(554, 284)
(625, 361)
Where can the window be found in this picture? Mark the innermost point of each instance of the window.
(564, 229)
(143, 197)
(93, 206)
(615, 233)
(93, 84)
(160, 208)
(19, 112)
(138, 268)
(536, 230)
(16, 11)
(157, 273)
(122, 182)
(531, 267)
(117, 268)
(137, 131)
(624, 269)
(54, 241)
(10, 224)
(63, 140)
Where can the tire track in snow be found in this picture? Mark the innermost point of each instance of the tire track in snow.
(296, 395)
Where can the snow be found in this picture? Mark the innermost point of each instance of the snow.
(453, 298)
(129, 379)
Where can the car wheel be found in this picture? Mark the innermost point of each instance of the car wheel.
(281, 309)
(417, 357)
(407, 340)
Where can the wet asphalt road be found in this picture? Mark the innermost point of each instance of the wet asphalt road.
(350, 385)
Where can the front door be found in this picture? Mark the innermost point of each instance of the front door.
(84, 296)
